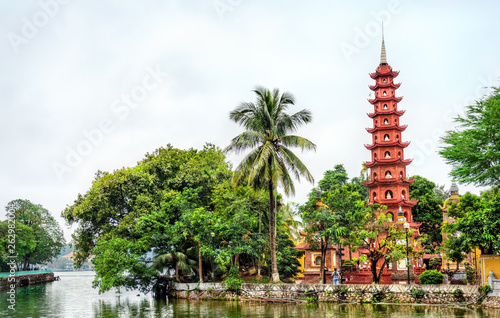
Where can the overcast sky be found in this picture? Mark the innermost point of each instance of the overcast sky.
(94, 85)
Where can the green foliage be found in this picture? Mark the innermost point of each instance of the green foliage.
(431, 277)
(287, 256)
(458, 294)
(435, 262)
(471, 274)
(427, 211)
(156, 206)
(378, 295)
(485, 289)
(418, 293)
(473, 149)
(39, 237)
(337, 214)
(232, 281)
(270, 161)
(477, 219)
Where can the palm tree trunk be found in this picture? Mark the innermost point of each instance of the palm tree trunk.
(177, 273)
(260, 252)
(275, 277)
(200, 264)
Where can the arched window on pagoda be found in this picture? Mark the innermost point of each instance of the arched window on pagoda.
(396, 121)
(388, 175)
(401, 174)
(376, 122)
(390, 217)
(374, 195)
(388, 194)
(374, 176)
(397, 137)
(387, 155)
(386, 121)
(374, 155)
(386, 137)
(384, 80)
(403, 195)
(384, 93)
(399, 154)
(385, 106)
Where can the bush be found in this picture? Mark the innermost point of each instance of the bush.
(432, 277)
(485, 289)
(418, 293)
(232, 281)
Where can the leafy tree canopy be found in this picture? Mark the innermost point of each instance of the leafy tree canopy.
(133, 211)
(473, 150)
(39, 236)
(477, 223)
(427, 211)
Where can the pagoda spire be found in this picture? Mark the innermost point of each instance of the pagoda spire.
(383, 55)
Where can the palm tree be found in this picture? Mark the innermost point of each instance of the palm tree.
(174, 259)
(267, 127)
(290, 225)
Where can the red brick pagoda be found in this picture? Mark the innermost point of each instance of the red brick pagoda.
(388, 184)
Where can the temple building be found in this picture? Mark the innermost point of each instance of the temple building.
(387, 184)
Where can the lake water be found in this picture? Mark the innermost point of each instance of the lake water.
(73, 296)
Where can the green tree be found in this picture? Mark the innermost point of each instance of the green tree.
(270, 161)
(427, 211)
(473, 150)
(321, 226)
(46, 231)
(178, 261)
(334, 216)
(134, 211)
(380, 240)
(19, 241)
(477, 223)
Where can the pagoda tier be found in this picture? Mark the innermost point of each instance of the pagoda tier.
(385, 99)
(385, 127)
(392, 161)
(384, 85)
(387, 144)
(388, 181)
(398, 202)
(384, 70)
(384, 112)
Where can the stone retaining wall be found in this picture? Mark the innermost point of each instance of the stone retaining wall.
(26, 279)
(424, 294)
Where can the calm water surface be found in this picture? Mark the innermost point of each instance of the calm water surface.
(74, 296)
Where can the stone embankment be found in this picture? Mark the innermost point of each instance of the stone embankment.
(25, 279)
(454, 295)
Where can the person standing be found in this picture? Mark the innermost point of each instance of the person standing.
(335, 276)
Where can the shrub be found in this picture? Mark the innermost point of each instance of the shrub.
(232, 281)
(418, 293)
(432, 277)
(459, 294)
(485, 289)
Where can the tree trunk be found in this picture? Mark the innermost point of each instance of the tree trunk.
(259, 276)
(373, 268)
(200, 264)
(275, 277)
(381, 270)
(178, 274)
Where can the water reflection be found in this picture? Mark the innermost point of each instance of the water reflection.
(74, 296)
